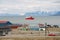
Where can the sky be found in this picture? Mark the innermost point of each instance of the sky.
(22, 6)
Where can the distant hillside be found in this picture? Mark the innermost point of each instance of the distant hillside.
(38, 13)
(6, 14)
(57, 14)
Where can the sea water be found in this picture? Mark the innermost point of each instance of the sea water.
(52, 20)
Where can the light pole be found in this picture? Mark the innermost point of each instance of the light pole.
(45, 28)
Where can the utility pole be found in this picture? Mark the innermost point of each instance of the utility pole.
(45, 29)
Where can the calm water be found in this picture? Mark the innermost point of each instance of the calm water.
(38, 19)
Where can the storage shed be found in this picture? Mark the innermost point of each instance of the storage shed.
(4, 29)
(6, 26)
(5, 23)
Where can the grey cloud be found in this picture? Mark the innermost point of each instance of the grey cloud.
(27, 4)
(57, 2)
(9, 2)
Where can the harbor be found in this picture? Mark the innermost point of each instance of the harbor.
(29, 29)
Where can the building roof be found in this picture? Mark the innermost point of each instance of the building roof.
(41, 25)
(4, 23)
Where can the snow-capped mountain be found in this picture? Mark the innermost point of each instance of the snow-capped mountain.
(57, 13)
(38, 13)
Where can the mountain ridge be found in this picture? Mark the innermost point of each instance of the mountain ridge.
(36, 13)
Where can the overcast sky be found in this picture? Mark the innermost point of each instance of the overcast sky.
(23, 6)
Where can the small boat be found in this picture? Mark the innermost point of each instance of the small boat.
(29, 18)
